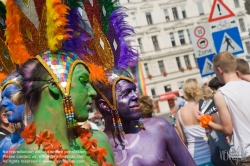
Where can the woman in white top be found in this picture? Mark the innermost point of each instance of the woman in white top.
(190, 131)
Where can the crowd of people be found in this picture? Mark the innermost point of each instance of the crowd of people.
(55, 67)
(224, 97)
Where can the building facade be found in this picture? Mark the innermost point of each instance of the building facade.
(163, 38)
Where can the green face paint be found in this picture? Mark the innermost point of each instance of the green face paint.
(81, 92)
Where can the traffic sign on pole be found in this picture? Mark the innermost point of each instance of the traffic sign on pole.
(202, 40)
(224, 29)
(219, 11)
(203, 48)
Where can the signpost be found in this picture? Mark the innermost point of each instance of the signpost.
(219, 34)
(203, 48)
(224, 29)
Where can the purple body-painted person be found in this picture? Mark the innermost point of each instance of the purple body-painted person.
(136, 141)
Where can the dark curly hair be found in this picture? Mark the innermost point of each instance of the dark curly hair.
(34, 76)
(146, 106)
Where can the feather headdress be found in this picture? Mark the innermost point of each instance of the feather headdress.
(55, 34)
(6, 64)
(55, 25)
(112, 51)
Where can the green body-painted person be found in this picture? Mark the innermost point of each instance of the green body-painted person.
(50, 82)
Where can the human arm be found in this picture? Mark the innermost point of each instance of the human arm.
(176, 149)
(180, 131)
(103, 141)
(225, 126)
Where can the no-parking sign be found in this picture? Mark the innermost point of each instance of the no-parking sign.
(202, 40)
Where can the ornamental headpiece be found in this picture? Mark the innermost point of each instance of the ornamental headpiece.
(7, 67)
(53, 32)
(113, 52)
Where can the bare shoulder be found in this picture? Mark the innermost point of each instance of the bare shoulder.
(101, 136)
(160, 128)
(156, 122)
(218, 96)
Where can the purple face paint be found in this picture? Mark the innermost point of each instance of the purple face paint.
(127, 100)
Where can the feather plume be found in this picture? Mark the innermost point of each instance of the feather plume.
(39, 5)
(93, 10)
(125, 55)
(56, 22)
(97, 73)
(2, 77)
(74, 4)
(2, 19)
(2, 10)
(106, 8)
(18, 52)
(78, 35)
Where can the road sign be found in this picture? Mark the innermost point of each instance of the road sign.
(202, 40)
(219, 11)
(222, 24)
(202, 43)
(228, 40)
(206, 65)
(224, 29)
(199, 31)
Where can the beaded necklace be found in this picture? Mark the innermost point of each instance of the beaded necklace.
(54, 149)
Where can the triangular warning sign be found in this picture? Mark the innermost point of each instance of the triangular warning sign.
(208, 67)
(219, 11)
(228, 44)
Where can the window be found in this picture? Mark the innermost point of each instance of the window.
(146, 68)
(149, 18)
(182, 38)
(187, 61)
(155, 43)
(189, 37)
(178, 62)
(133, 18)
(175, 13)
(242, 25)
(133, 70)
(183, 12)
(195, 60)
(140, 44)
(161, 66)
(236, 3)
(172, 38)
(180, 84)
(153, 92)
(168, 88)
(248, 46)
(166, 15)
(200, 8)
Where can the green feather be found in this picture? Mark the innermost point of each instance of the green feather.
(2, 10)
(74, 3)
(110, 6)
(2, 17)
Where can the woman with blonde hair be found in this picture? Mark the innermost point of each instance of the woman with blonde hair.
(190, 131)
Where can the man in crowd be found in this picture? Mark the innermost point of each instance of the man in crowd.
(5, 126)
(243, 71)
(179, 101)
(232, 101)
(136, 141)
